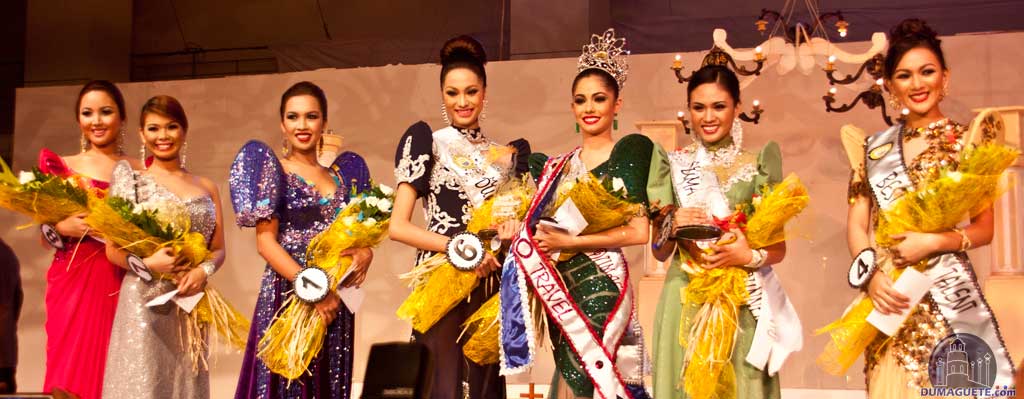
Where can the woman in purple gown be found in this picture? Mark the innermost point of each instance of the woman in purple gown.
(289, 200)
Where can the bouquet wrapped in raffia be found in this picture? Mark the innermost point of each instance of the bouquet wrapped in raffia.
(142, 232)
(297, 333)
(936, 205)
(711, 300)
(44, 197)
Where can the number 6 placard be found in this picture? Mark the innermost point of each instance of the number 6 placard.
(465, 251)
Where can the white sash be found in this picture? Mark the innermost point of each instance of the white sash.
(954, 287)
(779, 332)
(479, 178)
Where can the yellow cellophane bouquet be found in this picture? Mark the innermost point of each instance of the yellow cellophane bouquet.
(437, 285)
(936, 205)
(44, 197)
(483, 329)
(711, 300)
(142, 232)
(604, 203)
(297, 333)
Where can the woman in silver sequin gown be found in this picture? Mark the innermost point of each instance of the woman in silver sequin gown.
(148, 356)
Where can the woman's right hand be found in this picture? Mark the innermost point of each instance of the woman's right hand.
(163, 261)
(690, 216)
(73, 226)
(886, 299)
(327, 308)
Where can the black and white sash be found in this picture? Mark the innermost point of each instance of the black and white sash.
(955, 288)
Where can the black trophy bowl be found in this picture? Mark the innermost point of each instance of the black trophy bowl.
(698, 232)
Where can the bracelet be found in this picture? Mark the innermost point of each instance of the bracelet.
(965, 241)
(757, 258)
(209, 267)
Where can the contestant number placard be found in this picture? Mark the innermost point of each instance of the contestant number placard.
(312, 284)
(51, 236)
(862, 268)
(137, 266)
(465, 251)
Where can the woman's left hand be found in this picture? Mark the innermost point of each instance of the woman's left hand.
(912, 248)
(361, 258)
(736, 253)
(192, 282)
(550, 239)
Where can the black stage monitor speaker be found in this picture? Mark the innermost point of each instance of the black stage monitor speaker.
(398, 370)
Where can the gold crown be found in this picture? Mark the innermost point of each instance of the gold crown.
(607, 53)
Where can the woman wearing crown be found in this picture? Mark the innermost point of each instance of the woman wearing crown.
(590, 203)
(713, 332)
(919, 163)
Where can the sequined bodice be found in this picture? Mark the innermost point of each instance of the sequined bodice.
(199, 211)
(305, 213)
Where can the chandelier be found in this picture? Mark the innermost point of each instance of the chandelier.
(792, 44)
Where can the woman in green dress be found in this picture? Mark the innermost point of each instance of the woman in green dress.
(709, 183)
(590, 203)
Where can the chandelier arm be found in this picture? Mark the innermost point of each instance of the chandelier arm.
(743, 70)
(849, 78)
(752, 119)
(679, 75)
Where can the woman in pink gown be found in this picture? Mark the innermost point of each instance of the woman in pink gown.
(81, 285)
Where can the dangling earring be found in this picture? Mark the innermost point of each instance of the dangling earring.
(142, 153)
(285, 148)
(120, 142)
(577, 127)
(483, 111)
(83, 143)
(945, 91)
(320, 147)
(615, 124)
(894, 103)
(444, 115)
(181, 154)
(737, 133)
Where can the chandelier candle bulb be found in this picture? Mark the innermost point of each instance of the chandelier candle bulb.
(831, 64)
(758, 53)
(879, 82)
(678, 62)
(757, 105)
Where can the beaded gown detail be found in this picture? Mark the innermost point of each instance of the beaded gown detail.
(261, 190)
(147, 357)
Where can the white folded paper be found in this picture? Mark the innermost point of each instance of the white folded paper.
(352, 297)
(568, 218)
(186, 303)
(913, 284)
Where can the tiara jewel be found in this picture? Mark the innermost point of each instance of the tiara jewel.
(607, 53)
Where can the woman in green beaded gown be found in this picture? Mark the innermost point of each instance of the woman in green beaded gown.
(587, 297)
(709, 182)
